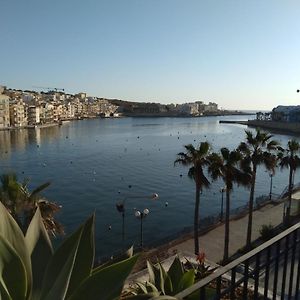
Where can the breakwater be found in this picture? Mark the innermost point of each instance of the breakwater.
(271, 125)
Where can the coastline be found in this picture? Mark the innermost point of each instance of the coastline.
(280, 127)
(39, 126)
(30, 127)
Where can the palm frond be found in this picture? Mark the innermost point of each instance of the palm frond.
(225, 153)
(293, 146)
(39, 189)
(272, 145)
(204, 148)
(243, 147)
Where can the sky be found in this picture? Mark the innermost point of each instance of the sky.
(240, 54)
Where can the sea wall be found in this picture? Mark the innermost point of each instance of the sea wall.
(280, 126)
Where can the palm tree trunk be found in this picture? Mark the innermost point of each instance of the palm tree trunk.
(196, 219)
(251, 201)
(288, 209)
(226, 238)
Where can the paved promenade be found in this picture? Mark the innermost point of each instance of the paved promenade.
(212, 243)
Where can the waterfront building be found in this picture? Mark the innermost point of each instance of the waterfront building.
(188, 109)
(211, 107)
(4, 109)
(17, 113)
(201, 107)
(78, 107)
(70, 110)
(57, 112)
(46, 113)
(33, 115)
(283, 113)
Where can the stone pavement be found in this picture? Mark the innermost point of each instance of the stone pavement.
(212, 242)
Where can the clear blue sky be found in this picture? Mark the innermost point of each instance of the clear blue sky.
(241, 54)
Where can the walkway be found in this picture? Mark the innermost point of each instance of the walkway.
(212, 243)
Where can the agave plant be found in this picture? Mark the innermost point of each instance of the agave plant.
(171, 282)
(31, 269)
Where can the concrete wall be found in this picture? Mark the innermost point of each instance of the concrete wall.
(282, 126)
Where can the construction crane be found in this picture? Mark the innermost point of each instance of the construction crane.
(49, 88)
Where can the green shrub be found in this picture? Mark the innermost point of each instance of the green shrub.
(266, 232)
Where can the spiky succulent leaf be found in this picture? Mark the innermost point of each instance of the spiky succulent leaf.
(40, 250)
(59, 270)
(186, 280)
(12, 270)
(165, 281)
(175, 272)
(85, 255)
(107, 283)
(12, 234)
(154, 274)
(125, 255)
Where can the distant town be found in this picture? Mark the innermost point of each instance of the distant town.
(29, 109)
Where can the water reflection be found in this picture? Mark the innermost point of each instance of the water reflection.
(19, 140)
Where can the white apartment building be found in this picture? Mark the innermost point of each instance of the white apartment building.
(17, 113)
(4, 109)
(33, 115)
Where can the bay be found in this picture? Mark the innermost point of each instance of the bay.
(93, 164)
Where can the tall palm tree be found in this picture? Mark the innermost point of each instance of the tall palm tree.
(288, 158)
(196, 159)
(225, 166)
(22, 203)
(257, 151)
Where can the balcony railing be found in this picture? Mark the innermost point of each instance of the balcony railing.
(270, 271)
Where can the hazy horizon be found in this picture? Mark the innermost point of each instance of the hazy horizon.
(241, 55)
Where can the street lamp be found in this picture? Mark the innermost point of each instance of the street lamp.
(271, 186)
(120, 206)
(222, 190)
(141, 215)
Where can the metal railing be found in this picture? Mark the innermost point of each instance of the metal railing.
(270, 271)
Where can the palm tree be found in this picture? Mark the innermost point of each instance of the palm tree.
(224, 166)
(292, 161)
(196, 158)
(256, 150)
(22, 204)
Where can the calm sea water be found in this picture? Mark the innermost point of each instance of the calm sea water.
(92, 164)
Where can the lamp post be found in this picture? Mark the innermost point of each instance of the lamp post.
(222, 190)
(120, 206)
(271, 186)
(142, 215)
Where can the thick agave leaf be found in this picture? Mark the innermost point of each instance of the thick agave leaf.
(154, 274)
(40, 250)
(59, 269)
(71, 263)
(107, 283)
(60, 286)
(186, 280)
(125, 255)
(175, 272)
(3, 291)
(13, 274)
(142, 287)
(12, 233)
(165, 281)
(85, 256)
